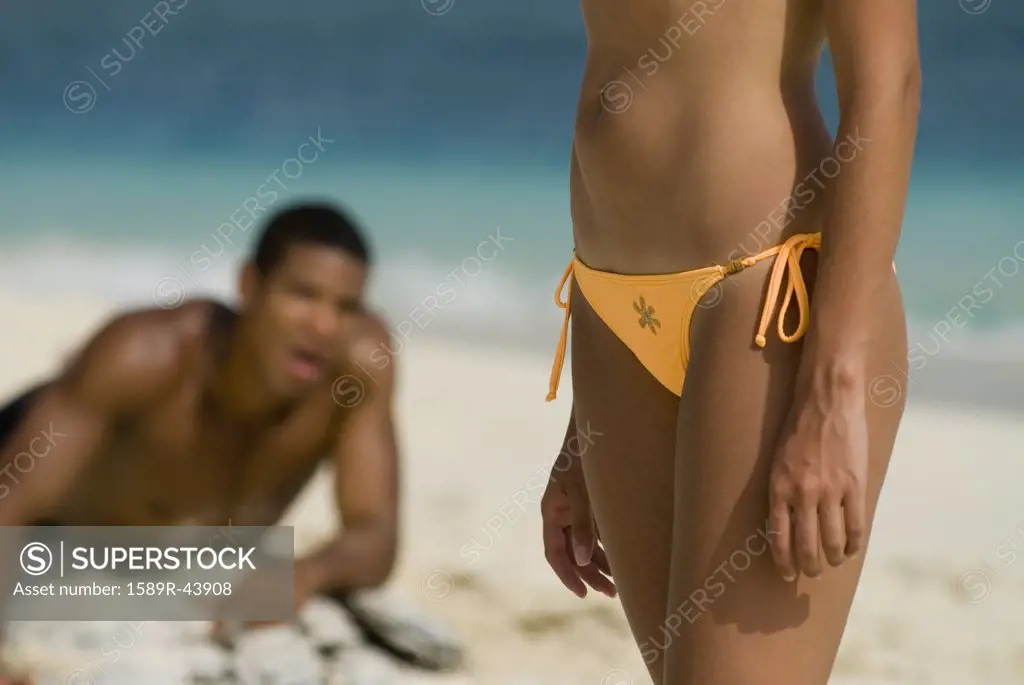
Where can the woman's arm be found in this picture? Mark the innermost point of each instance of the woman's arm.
(817, 487)
(874, 48)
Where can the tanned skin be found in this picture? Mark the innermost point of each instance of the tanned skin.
(200, 415)
(735, 517)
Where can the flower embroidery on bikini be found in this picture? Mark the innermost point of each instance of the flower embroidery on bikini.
(646, 313)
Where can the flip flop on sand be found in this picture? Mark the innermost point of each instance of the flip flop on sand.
(329, 627)
(404, 631)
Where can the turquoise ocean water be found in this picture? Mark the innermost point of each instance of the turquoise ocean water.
(445, 126)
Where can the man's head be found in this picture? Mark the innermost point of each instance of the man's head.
(302, 294)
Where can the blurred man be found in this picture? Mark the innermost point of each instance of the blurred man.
(204, 415)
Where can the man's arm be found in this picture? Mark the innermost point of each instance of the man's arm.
(366, 473)
(119, 370)
(874, 49)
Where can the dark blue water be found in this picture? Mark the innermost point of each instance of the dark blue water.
(486, 79)
(447, 118)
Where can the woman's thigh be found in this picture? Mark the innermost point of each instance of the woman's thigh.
(627, 424)
(735, 621)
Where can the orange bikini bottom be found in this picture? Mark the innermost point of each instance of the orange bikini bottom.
(651, 314)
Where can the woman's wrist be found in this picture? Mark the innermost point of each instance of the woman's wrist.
(834, 375)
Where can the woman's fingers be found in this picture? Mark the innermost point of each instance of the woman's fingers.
(856, 523)
(593, 577)
(583, 533)
(808, 543)
(556, 551)
(600, 559)
(833, 531)
(597, 574)
(781, 534)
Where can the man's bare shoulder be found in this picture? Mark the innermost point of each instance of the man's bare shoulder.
(369, 352)
(138, 355)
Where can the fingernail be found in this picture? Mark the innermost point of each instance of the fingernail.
(581, 555)
(789, 578)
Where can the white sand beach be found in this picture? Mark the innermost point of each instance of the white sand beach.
(475, 431)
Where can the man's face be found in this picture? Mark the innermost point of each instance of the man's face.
(302, 313)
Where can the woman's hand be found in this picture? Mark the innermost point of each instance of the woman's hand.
(817, 486)
(571, 541)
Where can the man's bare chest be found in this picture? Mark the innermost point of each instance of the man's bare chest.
(182, 464)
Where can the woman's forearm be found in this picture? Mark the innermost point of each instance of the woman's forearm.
(863, 218)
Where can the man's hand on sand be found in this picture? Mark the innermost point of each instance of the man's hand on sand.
(817, 488)
(253, 587)
(572, 544)
(8, 678)
(10, 675)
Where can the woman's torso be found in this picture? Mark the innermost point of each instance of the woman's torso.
(696, 121)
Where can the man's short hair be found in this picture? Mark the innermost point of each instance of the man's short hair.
(308, 223)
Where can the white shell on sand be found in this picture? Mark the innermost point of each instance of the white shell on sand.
(207, 662)
(325, 647)
(364, 666)
(278, 655)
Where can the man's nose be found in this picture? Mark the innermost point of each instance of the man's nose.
(325, 321)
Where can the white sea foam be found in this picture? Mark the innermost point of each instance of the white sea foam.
(421, 295)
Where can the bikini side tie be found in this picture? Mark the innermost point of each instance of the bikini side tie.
(787, 259)
(556, 370)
